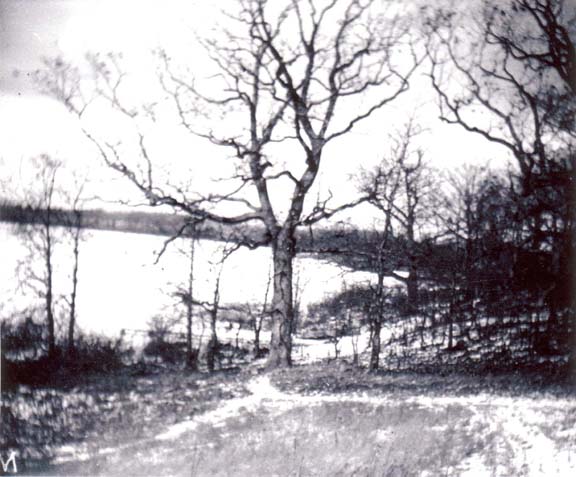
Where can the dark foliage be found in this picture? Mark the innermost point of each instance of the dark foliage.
(25, 359)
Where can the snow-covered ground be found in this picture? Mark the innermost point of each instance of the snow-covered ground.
(511, 431)
(515, 424)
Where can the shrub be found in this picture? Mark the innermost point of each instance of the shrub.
(93, 354)
(22, 338)
(170, 353)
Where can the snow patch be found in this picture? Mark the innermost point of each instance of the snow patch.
(521, 444)
(261, 390)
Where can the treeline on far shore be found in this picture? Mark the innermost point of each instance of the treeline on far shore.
(324, 240)
(134, 221)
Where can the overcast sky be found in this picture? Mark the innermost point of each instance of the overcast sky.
(31, 124)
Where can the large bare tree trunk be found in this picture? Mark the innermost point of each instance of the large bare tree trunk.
(283, 252)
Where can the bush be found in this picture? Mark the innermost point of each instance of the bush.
(170, 353)
(22, 339)
(93, 354)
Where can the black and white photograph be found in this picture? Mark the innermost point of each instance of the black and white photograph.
(288, 238)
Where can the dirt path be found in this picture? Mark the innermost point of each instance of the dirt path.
(520, 445)
(517, 436)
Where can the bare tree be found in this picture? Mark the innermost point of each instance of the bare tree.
(518, 91)
(400, 187)
(253, 316)
(519, 72)
(50, 220)
(213, 307)
(290, 73)
(258, 315)
(39, 239)
(190, 354)
(377, 255)
(75, 229)
(376, 310)
(213, 345)
(381, 259)
(298, 288)
(459, 211)
(186, 293)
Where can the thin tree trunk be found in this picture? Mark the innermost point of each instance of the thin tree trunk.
(256, 341)
(76, 250)
(412, 287)
(377, 319)
(375, 350)
(213, 346)
(49, 297)
(451, 314)
(259, 318)
(469, 291)
(354, 339)
(237, 338)
(450, 330)
(412, 282)
(191, 361)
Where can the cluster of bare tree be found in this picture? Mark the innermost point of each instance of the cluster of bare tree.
(250, 316)
(521, 75)
(53, 230)
(485, 242)
(284, 74)
(301, 74)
